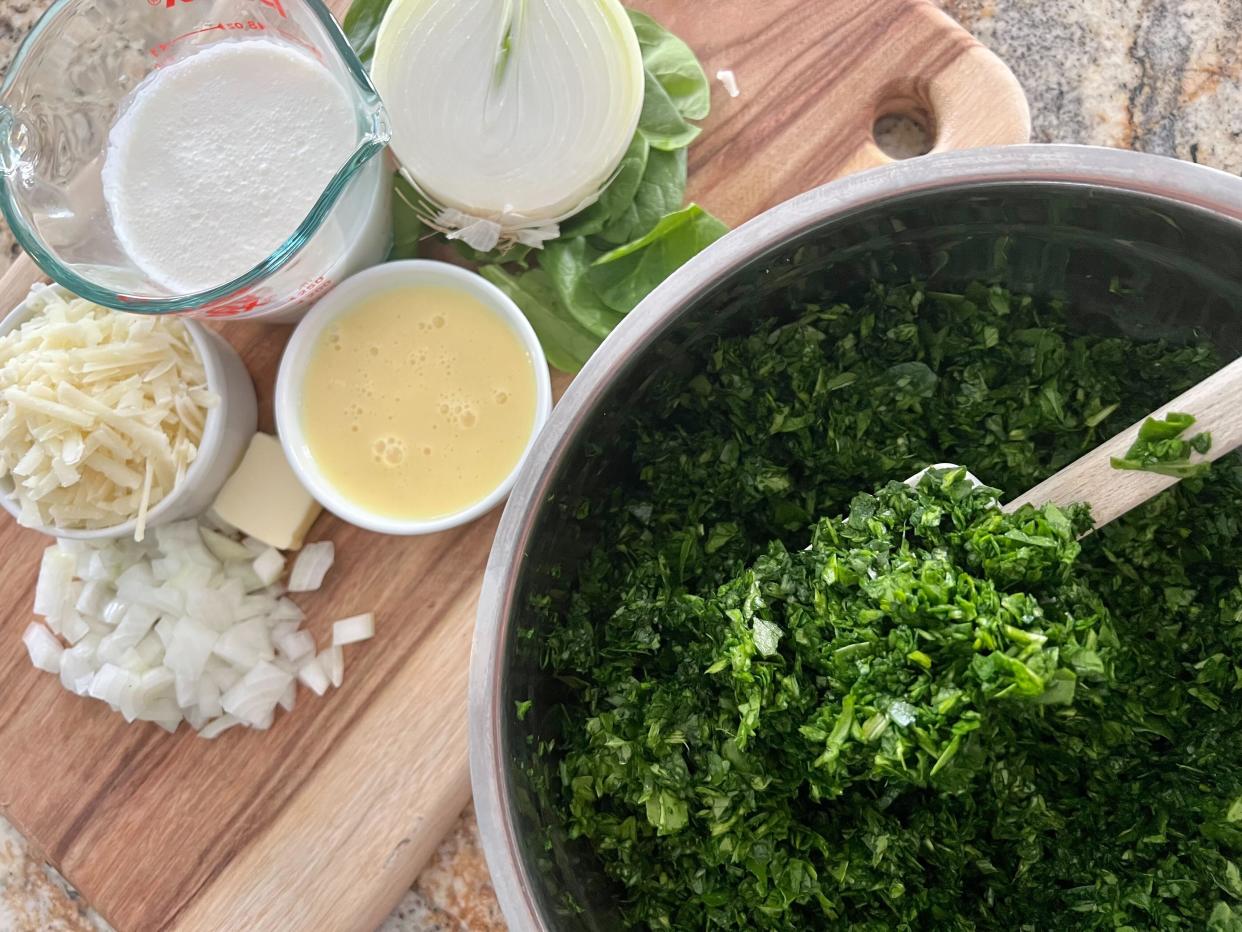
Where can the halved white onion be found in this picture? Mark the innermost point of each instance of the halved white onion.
(508, 115)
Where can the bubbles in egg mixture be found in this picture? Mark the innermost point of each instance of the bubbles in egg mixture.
(388, 451)
(447, 360)
(353, 412)
(416, 359)
(458, 410)
(433, 402)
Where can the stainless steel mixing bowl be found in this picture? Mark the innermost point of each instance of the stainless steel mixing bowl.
(1143, 245)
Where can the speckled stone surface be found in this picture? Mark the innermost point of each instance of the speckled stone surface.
(1163, 76)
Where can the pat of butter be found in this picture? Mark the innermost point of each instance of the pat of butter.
(263, 497)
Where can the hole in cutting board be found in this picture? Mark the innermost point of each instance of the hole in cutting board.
(903, 127)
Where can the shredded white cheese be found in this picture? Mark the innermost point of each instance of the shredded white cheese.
(101, 413)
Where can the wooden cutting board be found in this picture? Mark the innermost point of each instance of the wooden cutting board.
(322, 822)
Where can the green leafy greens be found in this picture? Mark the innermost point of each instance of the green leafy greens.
(611, 254)
(938, 716)
(1160, 448)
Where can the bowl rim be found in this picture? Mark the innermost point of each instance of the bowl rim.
(341, 300)
(208, 446)
(1152, 177)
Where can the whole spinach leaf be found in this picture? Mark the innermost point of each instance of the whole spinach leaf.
(624, 276)
(568, 264)
(660, 192)
(566, 343)
(616, 199)
(674, 65)
(660, 122)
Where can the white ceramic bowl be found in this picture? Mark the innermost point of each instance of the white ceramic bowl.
(344, 298)
(227, 430)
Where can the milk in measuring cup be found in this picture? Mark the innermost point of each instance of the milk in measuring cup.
(219, 156)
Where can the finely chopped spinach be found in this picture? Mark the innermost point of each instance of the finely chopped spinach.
(936, 717)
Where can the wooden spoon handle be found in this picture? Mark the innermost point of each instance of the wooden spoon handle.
(1216, 404)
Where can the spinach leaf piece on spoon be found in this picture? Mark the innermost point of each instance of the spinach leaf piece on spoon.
(1160, 448)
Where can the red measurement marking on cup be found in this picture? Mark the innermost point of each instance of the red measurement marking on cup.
(250, 24)
(231, 307)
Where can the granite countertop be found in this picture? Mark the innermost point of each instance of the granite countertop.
(1162, 76)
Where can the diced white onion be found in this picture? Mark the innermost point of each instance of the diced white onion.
(77, 668)
(268, 566)
(52, 588)
(353, 629)
(217, 727)
(113, 612)
(289, 696)
(226, 549)
(73, 627)
(189, 625)
(253, 698)
(208, 698)
(286, 610)
(45, 651)
(311, 566)
(311, 674)
(295, 645)
(245, 644)
(150, 652)
(92, 598)
(191, 645)
(333, 660)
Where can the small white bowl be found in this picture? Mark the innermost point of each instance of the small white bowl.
(345, 297)
(227, 430)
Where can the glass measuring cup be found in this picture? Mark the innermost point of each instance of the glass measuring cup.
(70, 79)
